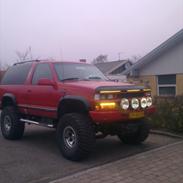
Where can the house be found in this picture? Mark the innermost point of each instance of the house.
(114, 69)
(162, 68)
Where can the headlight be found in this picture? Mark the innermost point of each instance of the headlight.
(97, 96)
(110, 96)
(103, 96)
(149, 101)
(143, 102)
(135, 103)
(124, 103)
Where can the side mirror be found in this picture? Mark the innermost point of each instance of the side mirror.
(47, 82)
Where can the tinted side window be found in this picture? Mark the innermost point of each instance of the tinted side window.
(16, 74)
(41, 71)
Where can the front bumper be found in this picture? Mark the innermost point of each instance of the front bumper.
(119, 116)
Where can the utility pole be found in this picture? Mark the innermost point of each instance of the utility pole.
(119, 55)
(61, 54)
(30, 52)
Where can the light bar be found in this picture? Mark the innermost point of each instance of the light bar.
(133, 90)
(108, 91)
(146, 90)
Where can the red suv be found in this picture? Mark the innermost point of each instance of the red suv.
(76, 99)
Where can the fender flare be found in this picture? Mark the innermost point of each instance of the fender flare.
(9, 96)
(74, 98)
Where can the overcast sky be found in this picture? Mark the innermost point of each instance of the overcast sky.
(75, 29)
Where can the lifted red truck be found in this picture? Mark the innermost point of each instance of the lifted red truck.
(77, 100)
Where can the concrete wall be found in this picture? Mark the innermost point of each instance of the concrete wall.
(121, 78)
(171, 62)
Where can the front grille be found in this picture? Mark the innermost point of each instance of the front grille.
(132, 95)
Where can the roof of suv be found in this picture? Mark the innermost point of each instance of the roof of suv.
(48, 61)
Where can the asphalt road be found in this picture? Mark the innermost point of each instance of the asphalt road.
(36, 157)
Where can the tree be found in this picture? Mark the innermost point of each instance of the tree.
(135, 58)
(100, 59)
(4, 66)
(23, 56)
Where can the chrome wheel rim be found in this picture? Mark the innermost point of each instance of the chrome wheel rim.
(69, 136)
(7, 123)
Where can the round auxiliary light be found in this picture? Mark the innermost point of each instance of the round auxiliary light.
(135, 103)
(149, 101)
(143, 102)
(124, 103)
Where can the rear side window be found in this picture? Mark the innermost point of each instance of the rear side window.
(41, 71)
(16, 75)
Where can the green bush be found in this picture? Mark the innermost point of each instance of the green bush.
(169, 113)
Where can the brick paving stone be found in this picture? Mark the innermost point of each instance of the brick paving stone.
(164, 165)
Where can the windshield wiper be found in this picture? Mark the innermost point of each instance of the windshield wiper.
(94, 77)
(70, 79)
(85, 79)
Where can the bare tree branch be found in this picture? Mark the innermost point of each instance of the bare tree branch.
(23, 56)
(100, 59)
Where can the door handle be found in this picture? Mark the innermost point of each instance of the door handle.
(29, 91)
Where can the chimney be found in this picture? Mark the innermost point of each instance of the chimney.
(82, 60)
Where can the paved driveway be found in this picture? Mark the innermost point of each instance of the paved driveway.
(36, 157)
(162, 164)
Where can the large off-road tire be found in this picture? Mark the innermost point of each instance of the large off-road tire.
(11, 127)
(139, 136)
(75, 136)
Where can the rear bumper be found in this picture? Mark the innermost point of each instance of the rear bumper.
(117, 116)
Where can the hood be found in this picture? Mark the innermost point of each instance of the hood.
(101, 85)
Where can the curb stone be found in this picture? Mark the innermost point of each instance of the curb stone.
(169, 134)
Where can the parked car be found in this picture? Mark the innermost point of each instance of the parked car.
(77, 100)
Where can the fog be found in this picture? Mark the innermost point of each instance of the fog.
(83, 29)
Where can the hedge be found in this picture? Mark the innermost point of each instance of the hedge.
(169, 114)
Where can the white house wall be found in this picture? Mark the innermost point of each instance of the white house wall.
(121, 78)
(170, 62)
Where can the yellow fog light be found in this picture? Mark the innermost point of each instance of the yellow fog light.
(105, 105)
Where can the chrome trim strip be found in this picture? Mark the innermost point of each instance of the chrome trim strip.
(38, 107)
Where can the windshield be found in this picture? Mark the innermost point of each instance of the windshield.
(77, 71)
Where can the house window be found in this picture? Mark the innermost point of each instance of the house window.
(167, 85)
